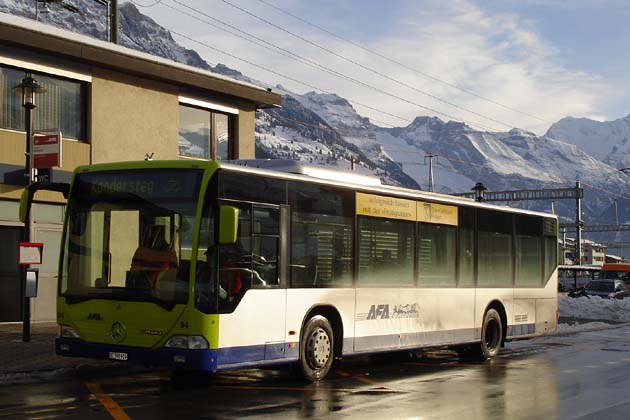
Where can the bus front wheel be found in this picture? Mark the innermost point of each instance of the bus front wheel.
(491, 335)
(316, 348)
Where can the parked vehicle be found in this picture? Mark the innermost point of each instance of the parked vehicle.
(573, 278)
(618, 271)
(607, 288)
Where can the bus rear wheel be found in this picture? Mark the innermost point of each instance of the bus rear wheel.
(491, 335)
(317, 346)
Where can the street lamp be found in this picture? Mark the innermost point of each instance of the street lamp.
(28, 88)
(479, 190)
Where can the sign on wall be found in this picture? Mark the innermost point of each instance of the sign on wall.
(30, 253)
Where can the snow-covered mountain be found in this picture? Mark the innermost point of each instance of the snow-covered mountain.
(502, 161)
(607, 141)
(326, 129)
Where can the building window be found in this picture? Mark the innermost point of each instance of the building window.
(205, 134)
(62, 106)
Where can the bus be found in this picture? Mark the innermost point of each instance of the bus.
(223, 265)
(617, 271)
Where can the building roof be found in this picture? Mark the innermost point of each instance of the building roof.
(29, 34)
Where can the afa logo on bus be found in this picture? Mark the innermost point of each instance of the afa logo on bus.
(381, 311)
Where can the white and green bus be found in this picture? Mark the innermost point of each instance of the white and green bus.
(214, 266)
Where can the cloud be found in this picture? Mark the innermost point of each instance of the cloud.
(499, 56)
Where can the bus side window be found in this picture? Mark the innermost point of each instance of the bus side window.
(322, 230)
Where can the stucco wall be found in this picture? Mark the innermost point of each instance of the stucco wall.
(131, 117)
(244, 136)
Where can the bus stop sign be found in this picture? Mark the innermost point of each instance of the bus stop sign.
(47, 150)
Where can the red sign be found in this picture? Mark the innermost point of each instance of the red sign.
(30, 253)
(46, 150)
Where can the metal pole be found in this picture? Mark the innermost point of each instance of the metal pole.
(26, 303)
(431, 183)
(578, 223)
(113, 21)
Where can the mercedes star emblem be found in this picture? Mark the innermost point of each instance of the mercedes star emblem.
(118, 332)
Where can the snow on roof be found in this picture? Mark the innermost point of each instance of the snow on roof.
(49, 30)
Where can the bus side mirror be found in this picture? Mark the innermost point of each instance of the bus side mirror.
(228, 225)
(25, 203)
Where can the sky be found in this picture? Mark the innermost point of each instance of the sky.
(494, 64)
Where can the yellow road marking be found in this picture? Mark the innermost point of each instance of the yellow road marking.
(106, 401)
(358, 378)
(365, 380)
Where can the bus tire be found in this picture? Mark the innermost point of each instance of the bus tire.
(317, 345)
(491, 335)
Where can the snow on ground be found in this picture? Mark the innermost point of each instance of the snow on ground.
(595, 308)
(601, 311)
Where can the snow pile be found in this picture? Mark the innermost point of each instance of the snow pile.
(594, 308)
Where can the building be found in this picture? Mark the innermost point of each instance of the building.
(112, 104)
(592, 253)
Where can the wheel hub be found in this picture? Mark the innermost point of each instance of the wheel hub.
(318, 348)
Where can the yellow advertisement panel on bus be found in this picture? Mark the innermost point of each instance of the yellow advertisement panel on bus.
(403, 209)
(389, 207)
(437, 213)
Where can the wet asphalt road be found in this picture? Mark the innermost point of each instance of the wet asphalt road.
(577, 376)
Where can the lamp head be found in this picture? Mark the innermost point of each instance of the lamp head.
(29, 88)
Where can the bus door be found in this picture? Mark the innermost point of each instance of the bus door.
(253, 282)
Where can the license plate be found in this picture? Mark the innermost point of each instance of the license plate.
(114, 355)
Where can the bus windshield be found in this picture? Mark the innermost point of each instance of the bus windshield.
(129, 235)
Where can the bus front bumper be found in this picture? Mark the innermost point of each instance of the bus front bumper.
(170, 357)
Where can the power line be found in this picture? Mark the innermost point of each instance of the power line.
(391, 60)
(366, 67)
(290, 55)
(311, 63)
(155, 3)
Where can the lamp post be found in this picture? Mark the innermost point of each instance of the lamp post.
(479, 190)
(28, 89)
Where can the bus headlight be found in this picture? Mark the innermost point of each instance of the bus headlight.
(192, 342)
(67, 332)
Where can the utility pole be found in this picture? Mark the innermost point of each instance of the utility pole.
(578, 223)
(113, 21)
(430, 156)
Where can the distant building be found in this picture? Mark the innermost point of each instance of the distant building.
(614, 259)
(593, 253)
(112, 104)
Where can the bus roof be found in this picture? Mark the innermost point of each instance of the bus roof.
(623, 267)
(306, 173)
(581, 267)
